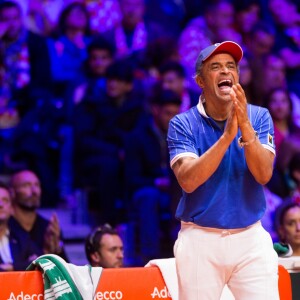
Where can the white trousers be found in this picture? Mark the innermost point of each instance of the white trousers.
(208, 258)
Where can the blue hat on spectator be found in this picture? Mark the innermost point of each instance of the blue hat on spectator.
(230, 47)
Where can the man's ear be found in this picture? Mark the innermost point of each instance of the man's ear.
(199, 81)
(95, 256)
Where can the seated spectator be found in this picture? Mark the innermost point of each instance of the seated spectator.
(273, 74)
(68, 46)
(150, 183)
(100, 56)
(248, 14)
(26, 59)
(259, 50)
(280, 107)
(288, 225)
(104, 248)
(101, 126)
(45, 234)
(16, 250)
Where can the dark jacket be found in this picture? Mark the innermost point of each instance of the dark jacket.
(36, 235)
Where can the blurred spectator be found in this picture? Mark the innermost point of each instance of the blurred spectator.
(280, 106)
(16, 250)
(287, 138)
(261, 41)
(26, 59)
(134, 33)
(149, 180)
(173, 78)
(100, 57)
(104, 247)
(45, 234)
(273, 75)
(287, 39)
(258, 47)
(68, 46)
(248, 14)
(100, 129)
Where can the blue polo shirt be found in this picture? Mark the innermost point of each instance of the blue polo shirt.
(231, 197)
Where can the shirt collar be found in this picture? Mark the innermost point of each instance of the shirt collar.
(200, 106)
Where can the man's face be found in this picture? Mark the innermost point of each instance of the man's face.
(99, 61)
(262, 43)
(27, 189)
(274, 73)
(111, 252)
(5, 205)
(290, 229)
(219, 74)
(279, 105)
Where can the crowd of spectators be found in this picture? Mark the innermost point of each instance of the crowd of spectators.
(83, 83)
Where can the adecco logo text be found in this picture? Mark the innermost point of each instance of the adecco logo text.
(160, 294)
(23, 296)
(109, 295)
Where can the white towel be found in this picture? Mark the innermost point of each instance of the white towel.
(167, 268)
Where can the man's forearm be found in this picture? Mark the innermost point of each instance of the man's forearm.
(191, 172)
(260, 162)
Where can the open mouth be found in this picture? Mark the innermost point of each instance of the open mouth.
(225, 85)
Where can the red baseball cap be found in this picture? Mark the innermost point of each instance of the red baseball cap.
(230, 47)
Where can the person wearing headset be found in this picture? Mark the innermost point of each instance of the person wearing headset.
(104, 247)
